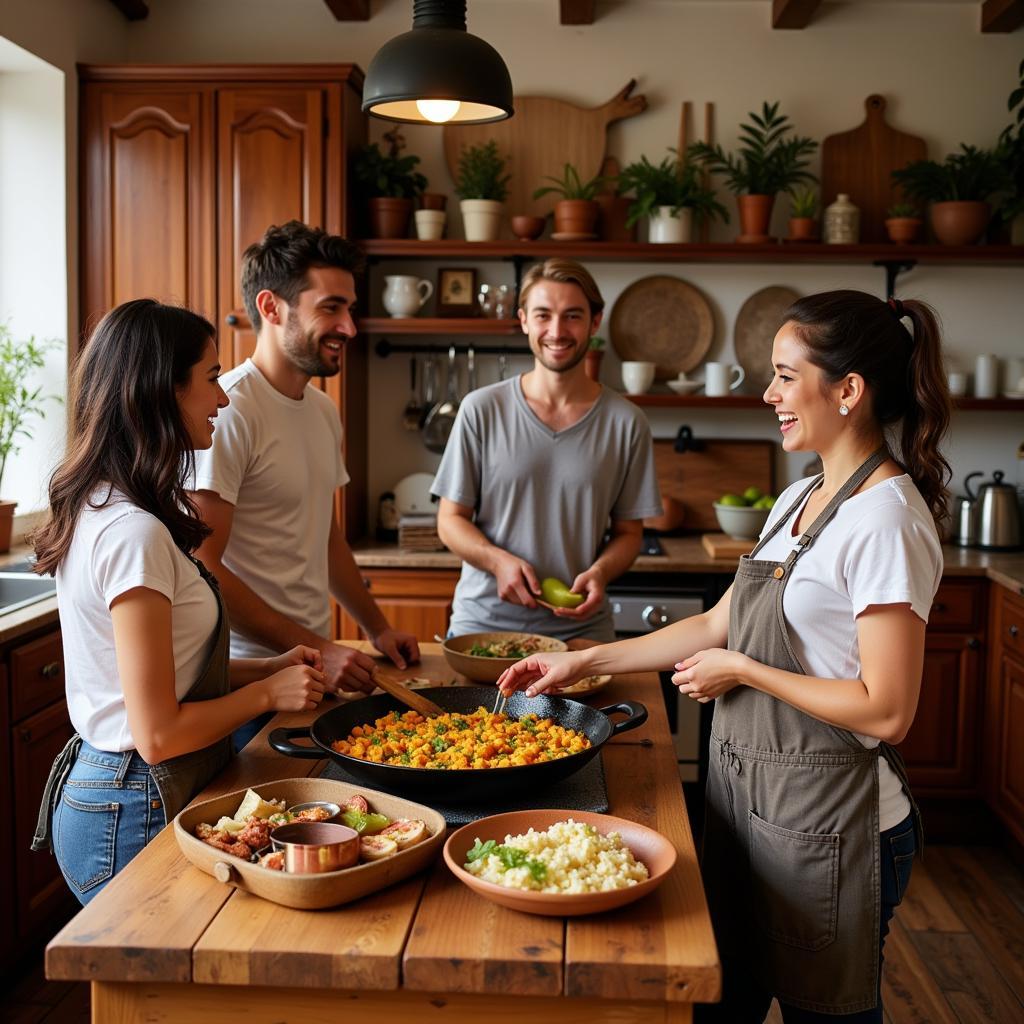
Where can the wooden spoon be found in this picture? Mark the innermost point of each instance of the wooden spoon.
(410, 698)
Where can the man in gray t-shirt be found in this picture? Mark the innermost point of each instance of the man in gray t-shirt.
(538, 468)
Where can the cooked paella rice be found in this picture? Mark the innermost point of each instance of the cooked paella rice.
(568, 857)
(477, 740)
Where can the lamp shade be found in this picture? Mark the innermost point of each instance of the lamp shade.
(438, 73)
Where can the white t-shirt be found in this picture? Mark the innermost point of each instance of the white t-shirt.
(880, 548)
(115, 549)
(278, 461)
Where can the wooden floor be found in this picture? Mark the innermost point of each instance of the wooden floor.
(955, 952)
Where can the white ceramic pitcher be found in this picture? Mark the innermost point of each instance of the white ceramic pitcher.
(404, 294)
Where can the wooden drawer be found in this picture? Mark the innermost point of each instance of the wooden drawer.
(37, 675)
(959, 607)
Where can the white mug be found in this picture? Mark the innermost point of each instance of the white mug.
(429, 224)
(986, 376)
(716, 378)
(957, 383)
(404, 294)
(637, 377)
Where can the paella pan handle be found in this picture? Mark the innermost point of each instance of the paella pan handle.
(279, 739)
(637, 716)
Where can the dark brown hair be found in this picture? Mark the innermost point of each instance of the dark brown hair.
(564, 272)
(848, 332)
(125, 427)
(280, 260)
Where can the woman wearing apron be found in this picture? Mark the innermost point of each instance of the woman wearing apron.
(150, 691)
(814, 659)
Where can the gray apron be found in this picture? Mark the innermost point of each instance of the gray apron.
(180, 778)
(790, 857)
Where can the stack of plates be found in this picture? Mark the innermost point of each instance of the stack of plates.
(419, 533)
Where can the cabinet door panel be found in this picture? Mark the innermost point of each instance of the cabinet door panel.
(270, 170)
(941, 747)
(1009, 795)
(416, 602)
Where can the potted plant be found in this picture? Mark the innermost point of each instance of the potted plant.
(671, 196)
(958, 189)
(576, 212)
(482, 186)
(18, 404)
(803, 208)
(767, 163)
(1010, 151)
(592, 360)
(389, 183)
(903, 222)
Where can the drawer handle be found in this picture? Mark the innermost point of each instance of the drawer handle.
(973, 643)
(51, 670)
(938, 606)
(26, 735)
(1014, 630)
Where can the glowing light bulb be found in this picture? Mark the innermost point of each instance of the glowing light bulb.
(438, 111)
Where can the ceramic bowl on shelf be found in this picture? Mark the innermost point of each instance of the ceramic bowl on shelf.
(527, 228)
(685, 387)
(741, 522)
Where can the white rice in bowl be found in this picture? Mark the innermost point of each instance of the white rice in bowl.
(568, 857)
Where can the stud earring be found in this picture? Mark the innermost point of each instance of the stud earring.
(844, 410)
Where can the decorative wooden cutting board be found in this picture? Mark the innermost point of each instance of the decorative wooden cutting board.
(542, 136)
(722, 546)
(699, 478)
(859, 162)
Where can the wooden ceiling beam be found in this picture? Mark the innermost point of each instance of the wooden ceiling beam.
(349, 10)
(133, 10)
(1002, 15)
(576, 12)
(793, 13)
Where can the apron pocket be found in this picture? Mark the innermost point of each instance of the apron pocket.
(795, 882)
(84, 836)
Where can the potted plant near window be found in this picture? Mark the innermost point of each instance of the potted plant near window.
(18, 404)
(958, 190)
(902, 223)
(482, 187)
(671, 196)
(803, 208)
(576, 212)
(593, 357)
(390, 183)
(767, 163)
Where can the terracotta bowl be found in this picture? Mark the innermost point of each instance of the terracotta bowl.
(487, 670)
(527, 228)
(648, 846)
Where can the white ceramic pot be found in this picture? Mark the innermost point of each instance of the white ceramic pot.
(404, 294)
(663, 227)
(481, 219)
(430, 224)
(721, 378)
(637, 377)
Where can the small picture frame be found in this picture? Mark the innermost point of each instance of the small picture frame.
(456, 292)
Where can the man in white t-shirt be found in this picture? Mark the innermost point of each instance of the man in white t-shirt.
(267, 486)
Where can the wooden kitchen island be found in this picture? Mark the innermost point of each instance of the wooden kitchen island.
(166, 942)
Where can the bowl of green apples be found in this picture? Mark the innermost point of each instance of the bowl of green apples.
(742, 516)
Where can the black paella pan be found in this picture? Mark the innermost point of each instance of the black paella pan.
(468, 784)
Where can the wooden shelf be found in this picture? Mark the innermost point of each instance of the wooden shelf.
(717, 252)
(437, 325)
(668, 400)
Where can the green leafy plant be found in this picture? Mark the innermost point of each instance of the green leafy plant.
(596, 344)
(972, 174)
(803, 203)
(903, 210)
(388, 174)
(674, 182)
(482, 173)
(570, 185)
(1010, 152)
(767, 161)
(18, 404)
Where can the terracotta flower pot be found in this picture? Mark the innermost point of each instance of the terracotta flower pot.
(960, 222)
(389, 218)
(803, 229)
(527, 228)
(755, 217)
(433, 201)
(903, 230)
(592, 363)
(575, 217)
(611, 221)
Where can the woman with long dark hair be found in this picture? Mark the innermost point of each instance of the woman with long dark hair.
(151, 693)
(814, 660)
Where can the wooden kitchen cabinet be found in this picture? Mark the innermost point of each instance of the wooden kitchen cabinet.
(417, 602)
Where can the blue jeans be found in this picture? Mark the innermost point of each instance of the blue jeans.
(745, 1003)
(109, 809)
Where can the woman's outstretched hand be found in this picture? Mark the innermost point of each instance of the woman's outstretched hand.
(541, 672)
(708, 674)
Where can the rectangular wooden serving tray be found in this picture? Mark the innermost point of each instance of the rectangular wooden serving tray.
(309, 892)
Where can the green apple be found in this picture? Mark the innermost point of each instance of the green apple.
(731, 499)
(765, 501)
(556, 592)
(751, 495)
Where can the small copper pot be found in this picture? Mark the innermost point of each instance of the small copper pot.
(311, 848)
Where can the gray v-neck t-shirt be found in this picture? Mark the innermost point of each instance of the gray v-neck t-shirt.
(544, 495)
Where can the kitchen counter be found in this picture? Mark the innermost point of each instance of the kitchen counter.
(163, 930)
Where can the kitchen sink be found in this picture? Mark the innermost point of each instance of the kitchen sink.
(19, 586)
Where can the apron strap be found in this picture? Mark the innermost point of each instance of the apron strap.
(784, 518)
(59, 773)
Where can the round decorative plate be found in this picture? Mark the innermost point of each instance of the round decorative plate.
(757, 323)
(663, 320)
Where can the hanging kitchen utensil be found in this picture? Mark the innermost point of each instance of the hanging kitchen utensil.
(502, 365)
(412, 414)
(429, 378)
(757, 323)
(470, 370)
(442, 417)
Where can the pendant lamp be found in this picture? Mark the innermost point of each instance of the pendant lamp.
(438, 73)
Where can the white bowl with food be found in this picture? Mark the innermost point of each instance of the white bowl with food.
(741, 522)
(483, 657)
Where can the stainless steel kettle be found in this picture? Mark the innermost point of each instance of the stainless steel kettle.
(965, 515)
(999, 525)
